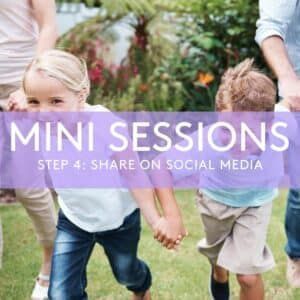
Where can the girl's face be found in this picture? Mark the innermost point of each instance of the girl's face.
(47, 94)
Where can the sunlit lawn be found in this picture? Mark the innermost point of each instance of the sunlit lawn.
(180, 276)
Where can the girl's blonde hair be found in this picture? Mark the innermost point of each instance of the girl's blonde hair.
(70, 70)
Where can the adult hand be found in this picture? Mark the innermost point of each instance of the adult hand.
(290, 86)
(17, 101)
(290, 90)
(292, 103)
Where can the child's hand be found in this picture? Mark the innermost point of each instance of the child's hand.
(17, 101)
(169, 231)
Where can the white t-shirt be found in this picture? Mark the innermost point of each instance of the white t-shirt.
(95, 210)
(281, 108)
(18, 39)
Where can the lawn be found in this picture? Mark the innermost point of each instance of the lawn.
(179, 275)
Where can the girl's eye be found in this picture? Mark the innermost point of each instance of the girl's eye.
(32, 102)
(57, 101)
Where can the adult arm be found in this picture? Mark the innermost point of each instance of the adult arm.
(45, 14)
(275, 17)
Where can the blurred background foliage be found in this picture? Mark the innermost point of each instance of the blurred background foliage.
(177, 52)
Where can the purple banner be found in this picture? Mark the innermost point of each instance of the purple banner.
(149, 149)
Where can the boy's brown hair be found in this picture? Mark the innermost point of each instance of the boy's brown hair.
(245, 88)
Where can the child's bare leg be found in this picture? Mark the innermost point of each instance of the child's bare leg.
(220, 274)
(252, 287)
(142, 296)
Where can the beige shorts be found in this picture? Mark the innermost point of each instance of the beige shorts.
(235, 238)
(38, 202)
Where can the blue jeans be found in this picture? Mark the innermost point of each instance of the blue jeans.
(292, 224)
(72, 250)
(292, 218)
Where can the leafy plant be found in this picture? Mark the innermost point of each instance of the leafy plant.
(152, 42)
(178, 52)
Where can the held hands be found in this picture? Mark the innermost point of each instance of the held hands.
(290, 86)
(169, 231)
(17, 101)
(292, 103)
(291, 91)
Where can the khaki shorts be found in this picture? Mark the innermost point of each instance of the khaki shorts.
(38, 202)
(235, 238)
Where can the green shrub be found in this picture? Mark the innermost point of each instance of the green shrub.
(135, 81)
(214, 35)
(163, 73)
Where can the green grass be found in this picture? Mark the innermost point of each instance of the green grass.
(178, 276)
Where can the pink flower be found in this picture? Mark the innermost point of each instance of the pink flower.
(95, 74)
